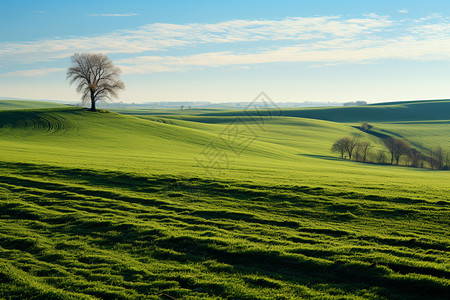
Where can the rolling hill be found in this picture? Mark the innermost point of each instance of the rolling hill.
(395, 111)
(153, 204)
(24, 104)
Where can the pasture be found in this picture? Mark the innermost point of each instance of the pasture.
(136, 204)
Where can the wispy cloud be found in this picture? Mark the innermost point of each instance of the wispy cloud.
(322, 40)
(403, 11)
(32, 72)
(161, 36)
(113, 15)
(327, 53)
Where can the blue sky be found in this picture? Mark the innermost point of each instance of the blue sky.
(231, 50)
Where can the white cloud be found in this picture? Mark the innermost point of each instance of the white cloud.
(322, 40)
(160, 36)
(113, 15)
(328, 53)
(403, 11)
(32, 72)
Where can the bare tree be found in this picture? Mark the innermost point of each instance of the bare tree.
(362, 150)
(389, 142)
(431, 159)
(350, 145)
(96, 77)
(380, 156)
(339, 146)
(439, 157)
(365, 126)
(415, 157)
(345, 145)
(401, 148)
(447, 161)
(396, 147)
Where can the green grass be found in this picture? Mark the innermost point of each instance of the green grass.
(23, 104)
(423, 134)
(395, 111)
(114, 206)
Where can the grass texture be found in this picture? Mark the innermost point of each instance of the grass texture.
(117, 206)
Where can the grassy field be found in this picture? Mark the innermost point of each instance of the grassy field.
(423, 134)
(136, 204)
(395, 111)
(15, 104)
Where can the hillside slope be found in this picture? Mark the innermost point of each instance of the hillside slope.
(409, 111)
(284, 147)
(425, 135)
(23, 104)
(110, 206)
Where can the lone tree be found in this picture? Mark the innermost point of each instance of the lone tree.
(96, 77)
(415, 157)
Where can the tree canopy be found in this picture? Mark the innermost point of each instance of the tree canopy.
(95, 76)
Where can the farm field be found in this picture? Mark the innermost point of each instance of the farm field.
(135, 204)
(23, 104)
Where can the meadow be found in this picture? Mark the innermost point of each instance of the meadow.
(211, 204)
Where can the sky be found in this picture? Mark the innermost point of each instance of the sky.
(227, 51)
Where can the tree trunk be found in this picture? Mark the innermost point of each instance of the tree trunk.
(92, 106)
(92, 102)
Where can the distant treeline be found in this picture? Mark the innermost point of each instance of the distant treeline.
(356, 103)
(351, 147)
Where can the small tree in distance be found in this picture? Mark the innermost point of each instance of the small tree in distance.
(401, 148)
(363, 149)
(96, 77)
(396, 147)
(390, 145)
(439, 158)
(415, 157)
(345, 145)
(360, 150)
(380, 157)
(339, 146)
(447, 161)
(350, 145)
(365, 126)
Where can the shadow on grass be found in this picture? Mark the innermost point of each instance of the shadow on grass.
(375, 133)
(327, 157)
(106, 226)
(304, 269)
